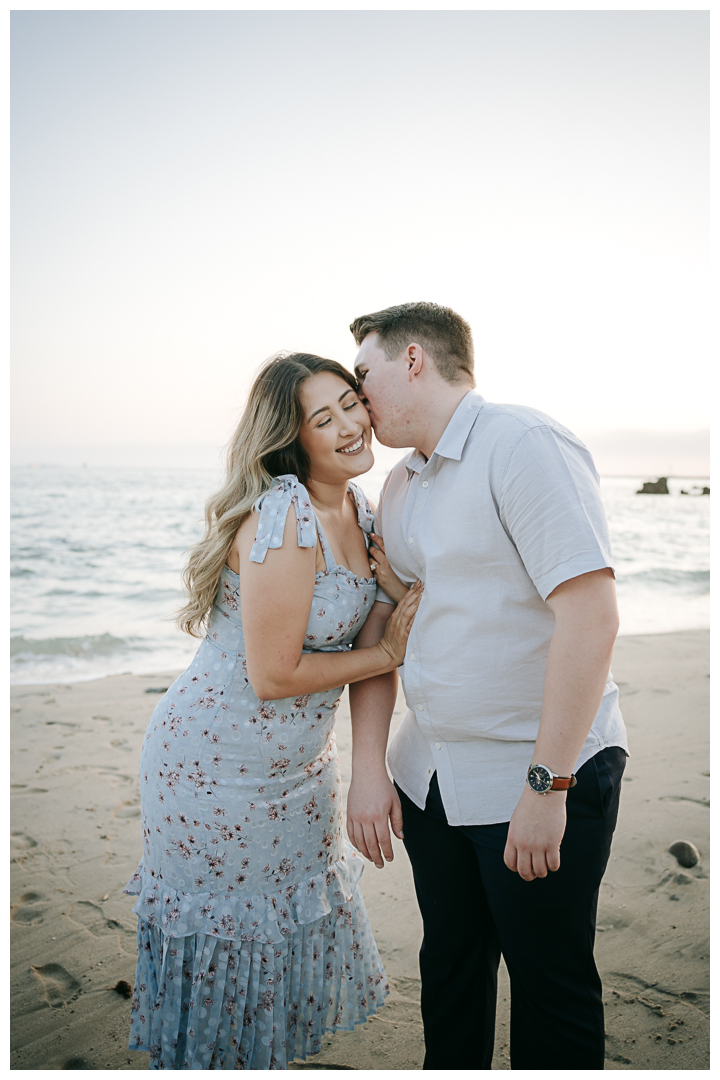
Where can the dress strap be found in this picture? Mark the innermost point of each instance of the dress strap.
(273, 507)
(364, 511)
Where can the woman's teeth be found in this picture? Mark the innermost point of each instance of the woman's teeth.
(351, 449)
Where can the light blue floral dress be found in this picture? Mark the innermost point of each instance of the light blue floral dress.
(253, 938)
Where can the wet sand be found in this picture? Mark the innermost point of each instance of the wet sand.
(76, 839)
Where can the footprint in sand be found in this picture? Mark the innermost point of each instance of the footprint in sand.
(58, 985)
(127, 809)
(28, 909)
(20, 844)
(96, 921)
(114, 778)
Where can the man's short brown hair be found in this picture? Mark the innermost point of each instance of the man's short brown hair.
(440, 330)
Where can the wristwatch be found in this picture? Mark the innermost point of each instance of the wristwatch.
(542, 780)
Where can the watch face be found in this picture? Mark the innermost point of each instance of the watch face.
(539, 778)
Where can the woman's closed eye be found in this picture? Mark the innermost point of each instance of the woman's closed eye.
(346, 408)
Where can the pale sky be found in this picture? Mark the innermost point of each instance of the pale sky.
(192, 191)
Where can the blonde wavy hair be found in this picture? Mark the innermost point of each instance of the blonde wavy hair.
(265, 445)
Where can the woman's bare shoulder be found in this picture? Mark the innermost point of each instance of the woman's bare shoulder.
(243, 542)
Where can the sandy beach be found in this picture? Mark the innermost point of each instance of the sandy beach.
(76, 839)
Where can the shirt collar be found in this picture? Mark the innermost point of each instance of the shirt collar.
(453, 439)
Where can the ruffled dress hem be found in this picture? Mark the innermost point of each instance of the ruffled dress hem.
(267, 917)
(253, 997)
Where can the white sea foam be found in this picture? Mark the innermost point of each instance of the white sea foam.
(97, 554)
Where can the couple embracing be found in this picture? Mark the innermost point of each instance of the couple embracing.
(484, 576)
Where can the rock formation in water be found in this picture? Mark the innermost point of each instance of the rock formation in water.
(654, 487)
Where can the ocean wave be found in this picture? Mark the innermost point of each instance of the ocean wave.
(696, 581)
(109, 554)
(87, 647)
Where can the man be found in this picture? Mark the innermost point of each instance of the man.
(513, 743)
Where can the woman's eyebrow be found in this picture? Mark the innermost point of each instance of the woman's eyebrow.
(325, 408)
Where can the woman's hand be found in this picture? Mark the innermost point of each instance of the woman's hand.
(385, 576)
(397, 629)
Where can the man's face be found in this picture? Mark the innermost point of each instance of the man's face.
(384, 389)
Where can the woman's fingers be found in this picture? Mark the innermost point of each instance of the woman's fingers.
(378, 542)
(412, 596)
(398, 626)
(408, 606)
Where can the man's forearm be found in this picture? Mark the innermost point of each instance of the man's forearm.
(577, 668)
(371, 706)
(372, 701)
(578, 662)
(373, 805)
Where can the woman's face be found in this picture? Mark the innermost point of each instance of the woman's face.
(336, 433)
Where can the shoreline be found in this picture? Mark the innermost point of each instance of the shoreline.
(76, 839)
(173, 672)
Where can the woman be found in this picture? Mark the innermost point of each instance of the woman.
(252, 934)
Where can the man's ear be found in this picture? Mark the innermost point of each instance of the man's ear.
(414, 358)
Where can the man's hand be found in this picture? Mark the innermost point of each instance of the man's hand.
(372, 799)
(536, 831)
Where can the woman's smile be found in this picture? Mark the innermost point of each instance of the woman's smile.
(355, 447)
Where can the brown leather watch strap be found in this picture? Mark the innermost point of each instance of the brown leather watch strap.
(562, 783)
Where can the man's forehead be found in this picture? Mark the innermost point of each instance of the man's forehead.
(369, 348)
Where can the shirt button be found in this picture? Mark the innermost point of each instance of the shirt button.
(411, 541)
(412, 655)
(420, 708)
(425, 483)
(430, 772)
(438, 746)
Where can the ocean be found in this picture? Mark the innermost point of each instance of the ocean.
(97, 553)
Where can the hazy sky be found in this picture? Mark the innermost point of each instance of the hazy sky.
(192, 191)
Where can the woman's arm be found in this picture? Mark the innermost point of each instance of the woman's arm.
(275, 601)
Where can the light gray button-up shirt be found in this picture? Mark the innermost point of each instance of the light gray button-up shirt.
(507, 507)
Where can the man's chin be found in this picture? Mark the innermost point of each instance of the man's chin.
(376, 433)
(387, 440)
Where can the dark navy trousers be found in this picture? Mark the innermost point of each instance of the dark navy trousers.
(474, 909)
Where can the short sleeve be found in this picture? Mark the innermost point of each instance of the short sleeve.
(273, 507)
(551, 508)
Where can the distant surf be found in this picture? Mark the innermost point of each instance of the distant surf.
(97, 554)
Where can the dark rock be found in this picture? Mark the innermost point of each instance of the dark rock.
(157, 690)
(123, 988)
(654, 487)
(685, 852)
